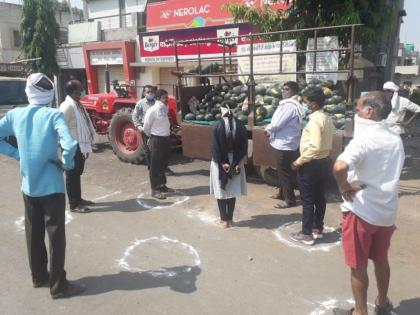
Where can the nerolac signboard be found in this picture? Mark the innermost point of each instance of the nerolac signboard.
(182, 14)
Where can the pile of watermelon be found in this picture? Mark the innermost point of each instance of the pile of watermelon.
(267, 99)
(335, 105)
(209, 107)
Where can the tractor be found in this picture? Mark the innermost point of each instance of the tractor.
(111, 114)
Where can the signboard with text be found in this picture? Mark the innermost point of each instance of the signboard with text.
(325, 61)
(181, 14)
(268, 64)
(156, 47)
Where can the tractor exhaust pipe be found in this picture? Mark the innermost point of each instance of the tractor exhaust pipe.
(107, 82)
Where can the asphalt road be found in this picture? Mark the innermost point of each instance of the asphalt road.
(137, 256)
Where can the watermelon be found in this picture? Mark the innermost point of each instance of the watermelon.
(225, 88)
(199, 117)
(275, 102)
(237, 82)
(261, 111)
(227, 96)
(244, 89)
(243, 96)
(260, 90)
(259, 100)
(237, 90)
(217, 105)
(202, 111)
(268, 100)
(215, 111)
(243, 118)
(270, 112)
(222, 94)
(259, 118)
(218, 116)
(189, 116)
(217, 99)
(275, 92)
(209, 117)
(203, 105)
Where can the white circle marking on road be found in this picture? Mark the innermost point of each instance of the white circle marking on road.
(326, 306)
(286, 229)
(162, 273)
(20, 223)
(177, 196)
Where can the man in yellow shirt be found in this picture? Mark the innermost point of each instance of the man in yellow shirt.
(313, 167)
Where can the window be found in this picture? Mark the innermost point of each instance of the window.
(12, 92)
(17, 40)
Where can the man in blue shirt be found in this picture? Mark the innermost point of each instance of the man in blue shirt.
(284, 132)
(36, 128)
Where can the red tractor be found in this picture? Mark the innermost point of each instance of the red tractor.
(111, 114)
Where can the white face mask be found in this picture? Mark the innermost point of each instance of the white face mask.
(287, 94)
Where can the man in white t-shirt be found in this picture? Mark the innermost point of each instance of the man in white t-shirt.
(367, 173)
(400, 106)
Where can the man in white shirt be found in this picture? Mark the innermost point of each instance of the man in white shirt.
(400, 106)
(157, 127)
(284, 132)
(367, 174)
(83, 131)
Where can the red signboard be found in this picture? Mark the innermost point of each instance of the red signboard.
(155, 46)
(181, 14)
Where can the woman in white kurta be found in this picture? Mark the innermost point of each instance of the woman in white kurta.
(227, 172)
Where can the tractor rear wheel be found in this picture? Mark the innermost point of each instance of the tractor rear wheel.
(125, 138)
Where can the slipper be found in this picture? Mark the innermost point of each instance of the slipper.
(81, 209)
(283, 205)
(384, 310)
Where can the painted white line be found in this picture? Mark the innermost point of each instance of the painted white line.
(325, 307)
(160, 273)
(108, 195)
(20, 223)
(282, 234)
(173, 199)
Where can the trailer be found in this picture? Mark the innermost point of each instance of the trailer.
(196, 134)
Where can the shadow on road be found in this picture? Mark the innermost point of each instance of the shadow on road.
(269, 221)
(183, 282)
(408, 307)
(195, 191)
(129, 205)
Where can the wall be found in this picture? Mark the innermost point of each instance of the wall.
(10, 17)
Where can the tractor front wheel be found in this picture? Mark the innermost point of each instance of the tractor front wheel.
(125, 138)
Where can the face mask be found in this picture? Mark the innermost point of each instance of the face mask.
(286, 94)
(150, 97)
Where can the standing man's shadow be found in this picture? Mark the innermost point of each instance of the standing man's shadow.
(183, 281)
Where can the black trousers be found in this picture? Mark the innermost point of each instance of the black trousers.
(73, 180)
(226, 208)
(287, 177)
(145, 148)
(48, 213)
(312, 177)
(159, 158)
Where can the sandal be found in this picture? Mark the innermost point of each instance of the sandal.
(81, 209)
(384, 310)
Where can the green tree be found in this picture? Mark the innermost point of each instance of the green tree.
(376, 16)
(40, 35)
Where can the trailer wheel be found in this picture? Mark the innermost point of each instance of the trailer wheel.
(268, 175)
(125, 139)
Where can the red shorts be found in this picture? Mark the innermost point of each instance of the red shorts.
(363, 241)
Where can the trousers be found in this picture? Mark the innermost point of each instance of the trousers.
(312, 177)
(73, 179)
(159, 158)
(46, 213)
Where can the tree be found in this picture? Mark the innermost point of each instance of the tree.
(376, 15)
(40, 35)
